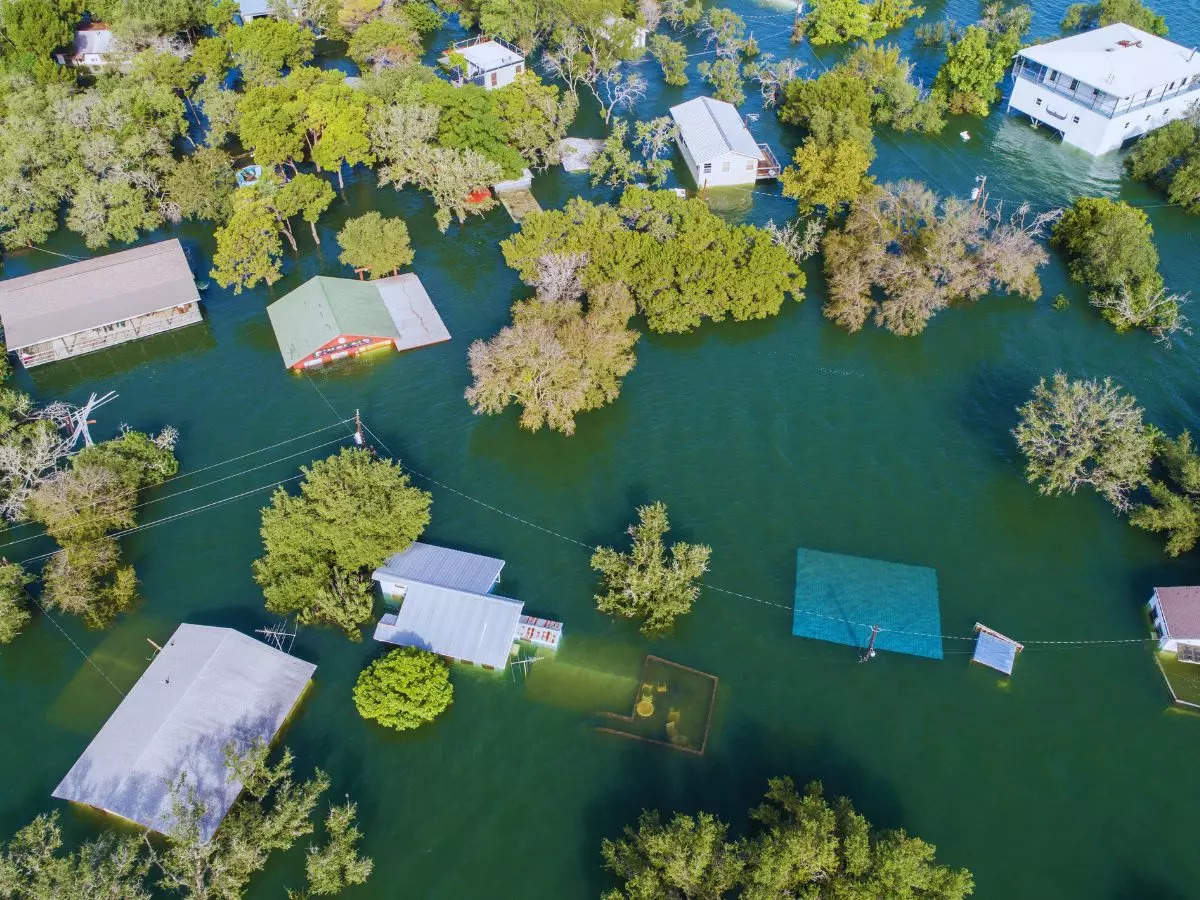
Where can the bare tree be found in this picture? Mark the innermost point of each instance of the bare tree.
(618, 89)
(801, 238)
(651, 13)
(558, 276)
(1159, 312)
(771, 75)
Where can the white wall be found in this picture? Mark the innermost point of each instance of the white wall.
(1094, 132)
(741, 169)
(503, 76)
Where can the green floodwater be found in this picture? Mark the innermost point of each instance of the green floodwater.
(1072, 780)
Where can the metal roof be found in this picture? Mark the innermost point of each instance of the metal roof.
(995, 651)
(208, 687)
(323, 309)
(1180, 608)
(489, 55)
(711, 128)
(477, 628)
(1118, 59)
(95, 292)
(441, 566)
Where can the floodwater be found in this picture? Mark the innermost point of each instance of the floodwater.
(1071, 780)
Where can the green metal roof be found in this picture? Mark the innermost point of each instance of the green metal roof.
(323, 308)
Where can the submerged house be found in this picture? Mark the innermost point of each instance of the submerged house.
(1175, 614)
(490, 62)
(1100, 88)
(331, 318)
(444, 604)
(718, 147)
(90, 48)
(208, 688)
(97, 303)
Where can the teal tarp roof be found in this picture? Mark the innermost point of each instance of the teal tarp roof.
(839, 598)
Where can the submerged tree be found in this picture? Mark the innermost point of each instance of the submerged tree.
(557, 358)
(643, 583)
(352, 512)
(1174, 504)
(334, 866)
(1170, 158)
(1084, 432)
(14, 600)
(404, 689)
(377, 245)
(1107, 12)
(671, 56)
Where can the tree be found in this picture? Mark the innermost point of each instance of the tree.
(14, 600)
(655, 137)
(535, 118)
(615, 90)
(1170, 157)
(33, 868)
(828, 175)
(773, 75)
(643, 584)
(1107, 12)
(725, 76)
(382, 43)
(1174, 505)
(614, 165)
(306, 196)
(455, 178)
(378, 245)
(33, 30)
(687, 857)
(248, 247)
(681, 263)
(975, 64)
(264, 47)
(1084, 432)
(903, 254)
(353, 511)
(801, 845)
(201, 186)
(468, 121)
(831, 108)
(842, 21)
(270, 123)
(556, 359)
(337, 865)
(336, 122)
(1109, 247)
(671, 56)
(404, 689)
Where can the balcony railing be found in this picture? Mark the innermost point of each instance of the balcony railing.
(768, 165)
(1105, 104)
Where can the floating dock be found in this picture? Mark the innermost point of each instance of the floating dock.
(995, 650)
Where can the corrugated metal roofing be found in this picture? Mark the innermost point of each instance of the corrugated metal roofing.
(476, 628)
(710, 128)
(441, 566)
(412, 311)
(839, 598)
(208, 687)
(324, 308)
(95, 292)
(1180, 608)
(995, 651)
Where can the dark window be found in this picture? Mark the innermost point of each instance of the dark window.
(1039, 101)
(1074, 83)
(1095, 92)
(1171, 86)
(1076, 120)
(1149, 92)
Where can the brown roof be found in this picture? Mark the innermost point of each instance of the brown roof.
(95, 292)
(1180, 610)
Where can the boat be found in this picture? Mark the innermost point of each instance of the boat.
(249, 176)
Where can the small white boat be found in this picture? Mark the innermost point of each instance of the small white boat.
(249, 176)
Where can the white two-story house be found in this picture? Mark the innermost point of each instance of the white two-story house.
(1100, 88)
(486, 61)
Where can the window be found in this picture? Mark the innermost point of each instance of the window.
(1095, 92)
(725, 166)
(1074, 83)
(520, 68)
(750, 166)
(1053, 74)
(708, 166)
(493, 79)
(1149, 92)
(1171, 86)
(1039, 101)
(1075, 120)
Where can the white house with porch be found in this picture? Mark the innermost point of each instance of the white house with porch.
(490, 62)
(90, 48)
(1100, 88)
(1175, 613)
(717, 146)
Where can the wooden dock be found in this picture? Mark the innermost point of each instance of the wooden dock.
(519, 203)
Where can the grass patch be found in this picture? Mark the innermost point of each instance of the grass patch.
(1183, 678)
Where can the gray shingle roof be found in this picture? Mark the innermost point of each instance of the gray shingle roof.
(95, 292)
(208, 687)
(1181, 610)
(711, 128)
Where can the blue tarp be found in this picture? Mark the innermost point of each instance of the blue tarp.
(996, 652)
(838, 598)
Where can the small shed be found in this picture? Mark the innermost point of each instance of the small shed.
(89, 49)
(491, 62)
(326, 319)
(1175, 614)
(97, 303)
(718, 147)
(208, 688)
(994, 650)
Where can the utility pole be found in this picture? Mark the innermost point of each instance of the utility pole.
(979, 192)
(358, 429)
(869, 653)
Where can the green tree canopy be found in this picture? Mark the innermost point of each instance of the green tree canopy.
(201, 186)
(378, 245)
(320, 547)
(643, 583)
(556, 359)
(248, 246)
(828, 175)
(469, 121)
(1170, 157)
(1084, 432)
(32, 30)
(1174, 503)
(800, 845)
(841, 21)
(336, 865)
(535, 118)
(404, 689)
(975, 65)
(14, 601)
(264, 47)
(681, 263)
(1107, 12)
(672, 56)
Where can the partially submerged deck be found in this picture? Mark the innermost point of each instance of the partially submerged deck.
(578, 153)
(519, 203)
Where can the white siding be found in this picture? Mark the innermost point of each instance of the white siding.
(725, 170)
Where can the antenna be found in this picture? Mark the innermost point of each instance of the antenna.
(869, 653)
(281, 636)
(524, 665)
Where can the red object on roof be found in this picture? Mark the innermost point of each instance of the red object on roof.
(1180, 610)
(478, 195)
